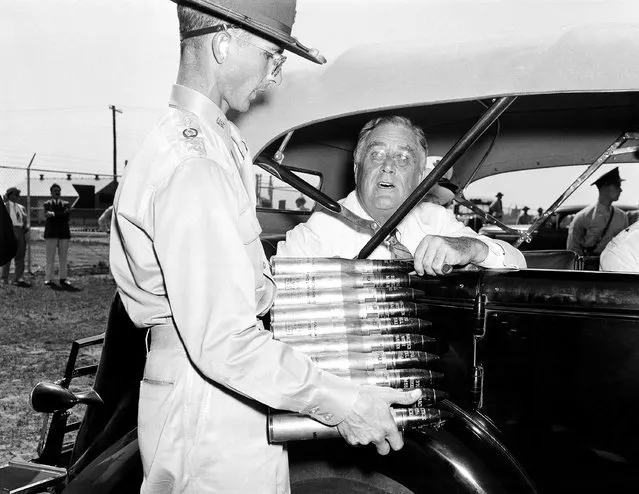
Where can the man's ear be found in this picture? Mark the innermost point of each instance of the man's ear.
(220, 46)
(355, 172)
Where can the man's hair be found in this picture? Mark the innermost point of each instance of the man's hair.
(392, 120)
(190, 19)
(54, 186)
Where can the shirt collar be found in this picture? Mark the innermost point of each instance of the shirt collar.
(190, 100)
(352, 202)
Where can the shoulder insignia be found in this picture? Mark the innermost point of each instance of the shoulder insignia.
(190, 133)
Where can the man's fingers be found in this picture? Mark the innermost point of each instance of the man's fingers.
(438, 261)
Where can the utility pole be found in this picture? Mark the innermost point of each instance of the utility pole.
(115, 145)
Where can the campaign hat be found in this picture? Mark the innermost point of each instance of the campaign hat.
(269, 19)
(499, 194)
(612, 177)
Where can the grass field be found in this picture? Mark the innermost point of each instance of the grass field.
(36, 330)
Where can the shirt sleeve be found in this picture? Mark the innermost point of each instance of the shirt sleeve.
(200, 237)
(431, 219)
(576, 234)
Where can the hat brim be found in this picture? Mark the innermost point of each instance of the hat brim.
(267, 32)
(609, 183)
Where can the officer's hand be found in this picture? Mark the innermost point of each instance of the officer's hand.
(49, 214)
(435, 251)
(370, 421)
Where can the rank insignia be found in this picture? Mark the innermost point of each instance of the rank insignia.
(190, 133)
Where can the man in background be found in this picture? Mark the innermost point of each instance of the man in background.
(524, 218)
(496, 208)
(18, 215)
(300, 202)
(594, 226)
(104, 221)
(57, 235)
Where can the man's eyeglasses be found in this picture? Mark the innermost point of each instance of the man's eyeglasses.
(402, 159)
(275, 59)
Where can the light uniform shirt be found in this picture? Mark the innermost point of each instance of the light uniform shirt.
(17, 213)
(325, 235)
(185, 251)
(588, 225)
(622, 252)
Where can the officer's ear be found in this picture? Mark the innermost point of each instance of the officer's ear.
(220, 45)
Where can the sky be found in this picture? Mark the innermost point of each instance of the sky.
(65, 61)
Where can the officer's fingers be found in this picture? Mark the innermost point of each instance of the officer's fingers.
(383, 447)
(395, 440)
(404, 397)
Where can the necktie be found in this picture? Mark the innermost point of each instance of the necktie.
(397, 249)
(18, 213)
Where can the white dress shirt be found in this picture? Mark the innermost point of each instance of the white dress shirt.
(327, 235)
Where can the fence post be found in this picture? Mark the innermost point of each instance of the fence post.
(29, 213)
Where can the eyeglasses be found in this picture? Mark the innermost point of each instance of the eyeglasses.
(402, 159)
(275, 59)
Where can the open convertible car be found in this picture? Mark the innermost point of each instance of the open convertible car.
(541, 365)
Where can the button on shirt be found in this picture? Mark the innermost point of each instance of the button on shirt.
(326, 235)
(185, 247)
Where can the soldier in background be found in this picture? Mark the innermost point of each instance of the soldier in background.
(594, 226)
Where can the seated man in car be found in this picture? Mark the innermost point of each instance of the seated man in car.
(622, 252)
(390, 161)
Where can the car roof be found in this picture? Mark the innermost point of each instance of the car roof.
(584, 47)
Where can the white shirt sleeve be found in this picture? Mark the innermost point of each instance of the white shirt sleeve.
(432, 219)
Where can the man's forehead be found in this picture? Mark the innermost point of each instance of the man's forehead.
(397, 135)
(264, 43)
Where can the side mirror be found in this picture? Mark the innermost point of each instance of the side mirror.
(50, 397)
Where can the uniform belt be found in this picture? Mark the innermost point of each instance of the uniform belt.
(164, 337)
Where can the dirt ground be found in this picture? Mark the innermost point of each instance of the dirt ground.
(37, 327)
